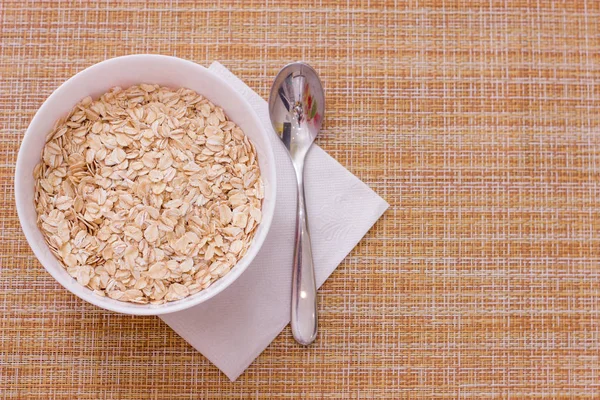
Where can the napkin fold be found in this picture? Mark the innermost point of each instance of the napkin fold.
(234, 327)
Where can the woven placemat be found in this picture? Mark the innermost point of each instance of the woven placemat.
(476, 120)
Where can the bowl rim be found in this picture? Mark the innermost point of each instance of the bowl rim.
(128, 307)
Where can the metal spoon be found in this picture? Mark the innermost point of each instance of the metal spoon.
(296, 107)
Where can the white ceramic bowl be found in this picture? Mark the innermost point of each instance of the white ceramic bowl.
(124, 72)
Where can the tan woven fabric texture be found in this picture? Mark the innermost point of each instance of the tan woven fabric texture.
(478, 121)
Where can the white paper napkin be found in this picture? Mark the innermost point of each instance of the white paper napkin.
(234, 327)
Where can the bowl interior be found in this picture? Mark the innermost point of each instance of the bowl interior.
(124, 72)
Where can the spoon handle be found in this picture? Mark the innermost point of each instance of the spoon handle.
(304, 290)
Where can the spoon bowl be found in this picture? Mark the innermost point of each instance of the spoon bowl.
(296, 107)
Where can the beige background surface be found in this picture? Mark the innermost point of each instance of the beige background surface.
(476, 120)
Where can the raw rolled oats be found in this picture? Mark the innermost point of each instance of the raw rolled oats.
(148, 194)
